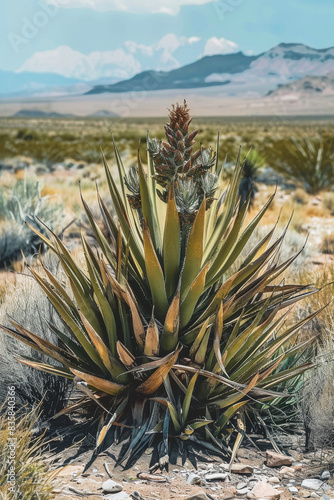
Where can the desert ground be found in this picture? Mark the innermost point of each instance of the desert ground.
(204, 102)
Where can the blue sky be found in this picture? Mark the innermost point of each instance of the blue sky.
(99, 38)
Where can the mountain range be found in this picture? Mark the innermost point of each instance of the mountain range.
(236, 74)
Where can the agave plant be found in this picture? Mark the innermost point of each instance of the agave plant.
(168, 344)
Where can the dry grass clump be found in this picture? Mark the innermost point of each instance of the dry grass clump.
(24, 474)
(318, 398)
(327, 244)
(318, 392)
(25, 301)
(328, 202)
(300, 197)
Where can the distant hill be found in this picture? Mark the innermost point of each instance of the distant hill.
(238, 73)
(25, 83)
(36, 113)
(104, 113)
(309, 86)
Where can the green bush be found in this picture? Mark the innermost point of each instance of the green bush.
(20, 204)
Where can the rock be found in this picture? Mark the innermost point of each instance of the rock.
(243, 491)
(193, 479)
(111, 486)
(264, 490)
(287, 470)
(199, 496)
(136, 495)
(218, 476)
(312, 484)
(241, 485)
(326, 487)
(325, 475)
(325, 497)
(242, 469)
(275, 459)
(293, 489)
(314, 495)
(273, 480)
(118, 496)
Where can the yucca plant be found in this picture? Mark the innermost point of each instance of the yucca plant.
(167, 347)
(307, 161)
(252, 166)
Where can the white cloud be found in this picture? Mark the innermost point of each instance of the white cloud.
(216, 45)
(167, 45)
(121, 63)
(68, 62)
(194, 39)
(170, 7)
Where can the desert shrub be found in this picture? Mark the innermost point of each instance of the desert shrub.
(175, 346)
(24, 203)
(327, 244)
(29, 305)
(24, 459)
(309, 162)
(300, 197)
(328, 202)
(317, 402)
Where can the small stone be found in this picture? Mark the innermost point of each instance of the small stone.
(326, 487)
(314, 495)
(176, 471)
(111, 486)
(264, 490)
(241, 485)
(136, 495)
(242, 469)
(121, 495)
(325, 475)
(293, 489)
(218, 476)
(193, 479)
(275, 459)
(273, 480)
(243, 491)
(287, 470)
(198, 496)
(312, 484)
